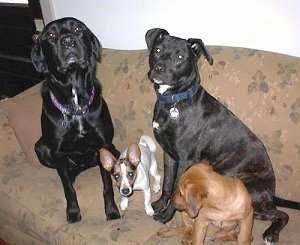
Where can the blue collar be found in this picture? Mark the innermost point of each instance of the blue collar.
(175, 98)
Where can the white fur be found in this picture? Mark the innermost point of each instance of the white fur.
(147, 165)
(163, 88)
(155, 125)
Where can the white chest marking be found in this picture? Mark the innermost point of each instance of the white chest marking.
(75, 99)
(155, 124)
(163, 88)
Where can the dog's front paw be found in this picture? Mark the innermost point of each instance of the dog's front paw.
(149, 210)
(156, 188)
(73, 215)
(186, 240)
(124, 203)
(164, 232)
(112, 212)
(158, 205)
(165, 215)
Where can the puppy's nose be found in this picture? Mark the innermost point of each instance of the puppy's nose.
(125, 191)
(159, 68)
(68, 42)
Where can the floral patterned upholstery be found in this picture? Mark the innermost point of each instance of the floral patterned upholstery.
(261, 88)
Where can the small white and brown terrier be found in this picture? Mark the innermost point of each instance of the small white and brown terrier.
(131, 171)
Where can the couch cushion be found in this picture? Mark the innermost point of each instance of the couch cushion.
(24, 112)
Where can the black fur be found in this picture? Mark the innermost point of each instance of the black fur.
(205, 129)
(66, 52)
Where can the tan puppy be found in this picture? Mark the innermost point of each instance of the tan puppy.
(206, 197)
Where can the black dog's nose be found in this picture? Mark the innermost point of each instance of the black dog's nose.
(125, 191)
(68, 42)
(159, 68)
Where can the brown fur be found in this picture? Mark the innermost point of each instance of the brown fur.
(206, 197)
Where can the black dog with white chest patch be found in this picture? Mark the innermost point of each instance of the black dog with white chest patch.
(191, 125)
(75, 119)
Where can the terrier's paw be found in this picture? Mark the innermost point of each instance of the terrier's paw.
(149, 210)
(124, 204)
(156, 188)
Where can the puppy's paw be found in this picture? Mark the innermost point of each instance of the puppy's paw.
(156, 188)
(186, 241)
(149, 210)
(164, 232)
(73, 215)
(124, 204)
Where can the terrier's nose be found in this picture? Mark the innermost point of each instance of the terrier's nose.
(125, 191)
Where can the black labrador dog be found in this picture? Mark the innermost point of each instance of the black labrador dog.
(191, 125)
(75, 119)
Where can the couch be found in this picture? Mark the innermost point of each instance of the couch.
(261, 88)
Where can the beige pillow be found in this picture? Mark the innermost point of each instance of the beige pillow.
(23, 113)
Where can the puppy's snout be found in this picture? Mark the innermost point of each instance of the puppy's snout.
(68, 42)
(159, 67)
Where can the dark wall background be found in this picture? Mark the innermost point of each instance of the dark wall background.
(17, 27)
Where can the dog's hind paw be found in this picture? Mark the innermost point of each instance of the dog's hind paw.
(271, 239)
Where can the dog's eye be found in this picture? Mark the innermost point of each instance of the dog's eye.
(76, 30)
(51, 36)
(130, 174)
(180, 57)
(116, 176)
(157, 50)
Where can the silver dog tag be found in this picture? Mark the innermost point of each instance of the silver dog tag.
(174, 113)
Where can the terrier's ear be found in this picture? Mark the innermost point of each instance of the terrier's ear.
(134, 154)
(107, 159)
(154, 35)
(199, 48)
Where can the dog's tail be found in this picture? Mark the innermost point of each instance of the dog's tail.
(148, 141)
(280, 202)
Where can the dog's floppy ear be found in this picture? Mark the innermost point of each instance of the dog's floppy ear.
(154, 35)
(134, 154)
(96, 47)
(199, 48)
(107, 159)
(37, 56)
(193, 196)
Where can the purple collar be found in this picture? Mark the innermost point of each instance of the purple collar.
(79, 111)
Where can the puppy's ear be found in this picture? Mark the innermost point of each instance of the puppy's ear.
(107, 159)
(154, 35)
(134, 154)
(199, 48)
(193, 197)
(37, 56)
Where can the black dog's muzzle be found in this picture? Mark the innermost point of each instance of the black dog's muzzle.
(68, 42)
